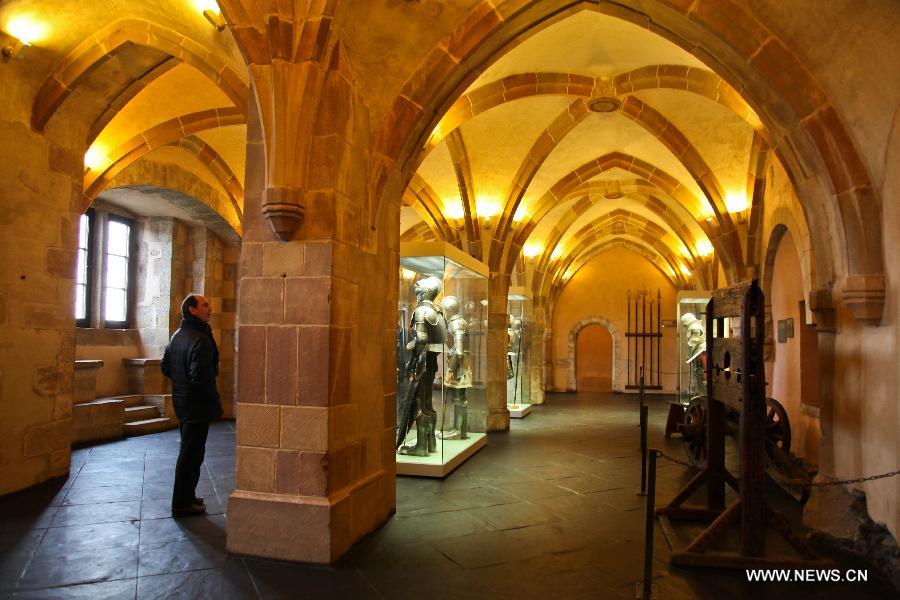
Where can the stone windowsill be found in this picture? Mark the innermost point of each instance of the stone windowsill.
(141, 362)
(88, 364)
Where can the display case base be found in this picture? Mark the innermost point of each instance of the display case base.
(518, 411)
(455, 453)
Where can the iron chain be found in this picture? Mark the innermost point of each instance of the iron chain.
(812, 484)
(798, 482)
(662, 454)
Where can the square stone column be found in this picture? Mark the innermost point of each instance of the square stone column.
(316, 409)
(497, 346)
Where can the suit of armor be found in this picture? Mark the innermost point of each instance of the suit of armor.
(514, 337)
(696, 341)
(428, 334)
(459, 373)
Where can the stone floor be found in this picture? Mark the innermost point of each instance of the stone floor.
(548, 510)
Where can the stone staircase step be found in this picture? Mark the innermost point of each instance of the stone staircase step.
(149, 426)
(141, 413)
(130, 400)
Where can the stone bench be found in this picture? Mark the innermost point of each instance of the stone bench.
(144, 376)
(85, 384)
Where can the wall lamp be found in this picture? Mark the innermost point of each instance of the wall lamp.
(19, 33)
(212, 12)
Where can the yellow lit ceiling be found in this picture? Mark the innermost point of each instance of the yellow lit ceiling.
(636, 170)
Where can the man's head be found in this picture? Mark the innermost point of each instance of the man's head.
(197, 306)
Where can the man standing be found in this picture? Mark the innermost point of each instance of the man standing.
(191, 361)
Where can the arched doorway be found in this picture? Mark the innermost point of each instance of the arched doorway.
(593, 359)
(793, 365)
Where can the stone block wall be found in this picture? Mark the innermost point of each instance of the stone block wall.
(41, 189)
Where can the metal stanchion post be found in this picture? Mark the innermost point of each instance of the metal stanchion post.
(644, 411)
(641, 393)
(646, 590)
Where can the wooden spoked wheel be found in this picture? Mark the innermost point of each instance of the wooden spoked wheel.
(778, 427)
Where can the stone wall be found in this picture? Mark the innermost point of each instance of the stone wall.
(583, 302)
(40, 182)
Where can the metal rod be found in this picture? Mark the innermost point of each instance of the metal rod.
(652, 342)
(643, 329)
(635, 339)
(628, 340)
(659, 331)
(648, 539)
(644, 410)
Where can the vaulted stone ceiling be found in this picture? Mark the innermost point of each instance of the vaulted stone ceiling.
(162, 94)
(665, 173)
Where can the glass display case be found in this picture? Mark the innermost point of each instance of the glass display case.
(690, 325)
(441, 358)
(518, 355)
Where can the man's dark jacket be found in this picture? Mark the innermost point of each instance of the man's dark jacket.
(191, 361)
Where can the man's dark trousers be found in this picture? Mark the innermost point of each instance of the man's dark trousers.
(190, 461)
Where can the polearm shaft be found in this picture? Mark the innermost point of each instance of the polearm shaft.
(659, 331)
(635, 339)
(628, 338)
(652, 339)
(643, 329)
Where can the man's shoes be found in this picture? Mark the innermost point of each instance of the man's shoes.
(199, 502)
(189, 511)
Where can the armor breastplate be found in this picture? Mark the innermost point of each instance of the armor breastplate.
(429, 315)
(458, 329)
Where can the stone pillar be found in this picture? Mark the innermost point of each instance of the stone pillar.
(497, 346)
(316, 411)
(536, 368)
(228, 323)
(826, 502)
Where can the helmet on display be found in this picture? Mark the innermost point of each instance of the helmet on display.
(428, 288)
(450, 306)
(688, 319)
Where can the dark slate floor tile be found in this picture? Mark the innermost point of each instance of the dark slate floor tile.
(121, 589)
(534, 490)
(423, 504)
(232, 582)
(476, 497)
(60, 540)
(87, 514)
(82, 566)
(162, 531)
(446, 525)
(187, 555)
(100, 495)
(276, 580)
(485, 549)
(513, 516)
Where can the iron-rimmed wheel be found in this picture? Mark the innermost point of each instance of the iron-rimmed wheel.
(778, 427)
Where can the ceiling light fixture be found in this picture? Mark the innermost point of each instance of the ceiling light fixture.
(487, 208)
(604, 104)
(531, 250)
(453, 209)
(704, 248)
(212, 12)
(19, 33)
